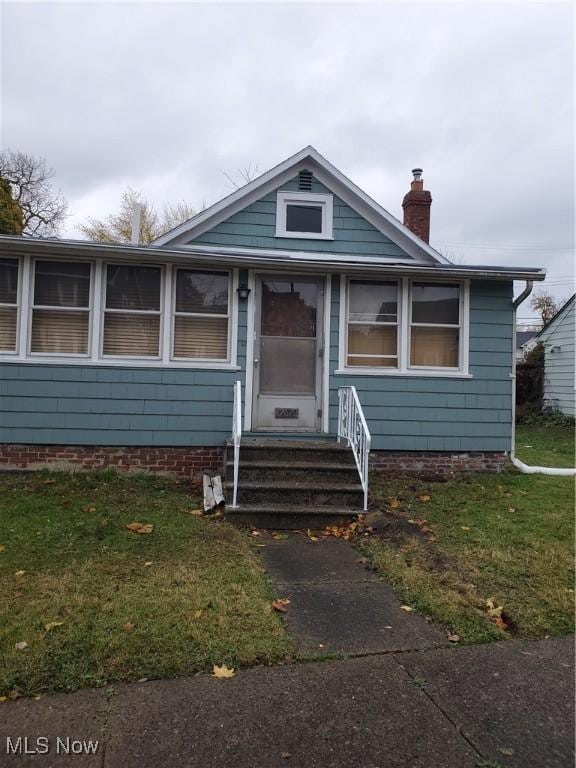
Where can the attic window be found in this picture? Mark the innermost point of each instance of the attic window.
(305, 181)
(304, 215)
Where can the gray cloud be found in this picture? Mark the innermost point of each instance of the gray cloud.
(166, 97)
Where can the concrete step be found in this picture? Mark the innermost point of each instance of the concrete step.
(289, 451)
(311, 472)
(290, 516)
(299, 494)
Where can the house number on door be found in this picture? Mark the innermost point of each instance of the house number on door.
(286, 413)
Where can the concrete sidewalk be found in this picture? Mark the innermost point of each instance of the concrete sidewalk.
(511, 703)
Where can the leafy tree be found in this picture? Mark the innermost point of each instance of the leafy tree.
(43, 208)
(11, 221)
(117, 228)
(545, 305)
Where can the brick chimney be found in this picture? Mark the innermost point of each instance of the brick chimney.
(416, 205)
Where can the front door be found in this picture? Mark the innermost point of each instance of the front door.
(288, 353)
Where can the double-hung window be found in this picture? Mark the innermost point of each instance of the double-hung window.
(132, 311)
(435, 325)
(61, 308)
(201, 315)
(8, 304)
(372, 335)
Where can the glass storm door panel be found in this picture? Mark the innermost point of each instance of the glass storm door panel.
(288, 353)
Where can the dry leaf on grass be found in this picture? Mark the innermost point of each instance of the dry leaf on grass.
(198, 614)
(281, 604)
(19, 573)
(406, 608)
(394, 503)
(140, 527)
(424, 497)
(148, 563)
(222, 671)
(49, 482)
(89, 509)
(453, 637)
(52, 625)
(22, 645)
(2, 547)
(128, 627)
(196, 512)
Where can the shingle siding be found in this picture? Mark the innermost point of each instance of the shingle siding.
(559, 391)
(255, 227)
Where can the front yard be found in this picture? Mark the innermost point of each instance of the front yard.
(85, 601)
(451, 547)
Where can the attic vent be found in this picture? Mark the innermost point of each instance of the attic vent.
(305, 181)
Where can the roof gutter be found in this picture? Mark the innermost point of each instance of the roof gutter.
(525, 468)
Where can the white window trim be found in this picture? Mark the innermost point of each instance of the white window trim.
(325, 201)
(17, 306)
(32, 306)
(404, 368)
(156, 312)
(230, 314)
(96, 322)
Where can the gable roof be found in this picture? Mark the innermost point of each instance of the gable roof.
(309, 159)
(561, 311)
(523, 336)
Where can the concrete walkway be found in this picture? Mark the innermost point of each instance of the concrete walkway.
(337, 606)
(509, 704)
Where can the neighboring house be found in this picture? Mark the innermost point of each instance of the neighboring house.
(557, 337)
(524, 343)
(297, 285)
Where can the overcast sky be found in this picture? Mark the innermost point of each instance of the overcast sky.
(167, 97)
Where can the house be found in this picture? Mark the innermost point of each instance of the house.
(557, 338)
(299, 286)
(524, 343)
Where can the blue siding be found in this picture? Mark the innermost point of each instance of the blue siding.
(98, 405)
(255, 227)
(407, 413)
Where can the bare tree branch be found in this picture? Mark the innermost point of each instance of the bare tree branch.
(43, 208)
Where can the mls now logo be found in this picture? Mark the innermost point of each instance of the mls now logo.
(22, 745)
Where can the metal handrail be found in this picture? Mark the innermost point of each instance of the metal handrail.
(353, 428)
(236, 436)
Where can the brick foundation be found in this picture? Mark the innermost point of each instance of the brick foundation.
(431, 463)
(183, 462)
(192, 462)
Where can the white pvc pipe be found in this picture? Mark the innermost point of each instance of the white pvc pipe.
(525, 468)
(528, 470)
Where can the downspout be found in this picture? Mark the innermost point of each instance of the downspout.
(517, 463)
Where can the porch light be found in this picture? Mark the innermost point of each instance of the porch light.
(243, 292)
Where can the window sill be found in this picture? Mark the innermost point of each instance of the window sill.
(303, 236)
(421, 373)
(113, 362)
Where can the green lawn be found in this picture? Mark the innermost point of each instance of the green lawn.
(122, 605)
(545, 445)
(509, 537)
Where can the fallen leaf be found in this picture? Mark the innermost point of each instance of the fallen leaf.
(311, 535)
(424, 497)
(222, 671)
(128, 627)
(492, 609)
(140, 527)
(512, 509)
(198, 614)
(394, 503)
(148, 563)
(255, 533)
(406, 608)
(2, 547)
(49, 482)
(52, 625)
(197, 512)
(89, 509)
(506, 751)
(465, 527)
(285, 755)
(19, 573)
(104, 522)
(3, 698)
(21, 645)
(281, 604)
(280, 536)
(453, 638)
(500, 623)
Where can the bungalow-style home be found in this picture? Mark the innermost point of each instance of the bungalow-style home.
(342, 325)
(557, 338)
